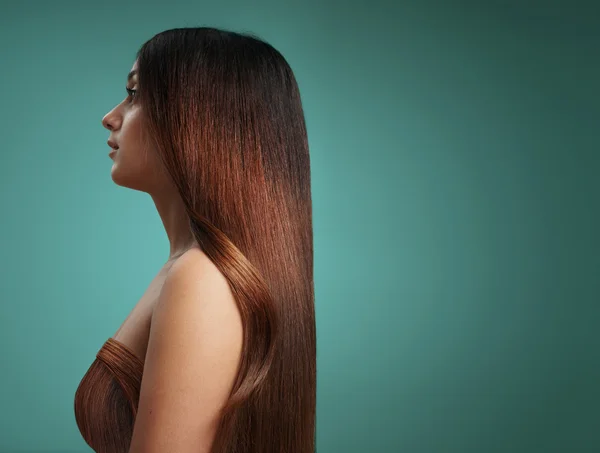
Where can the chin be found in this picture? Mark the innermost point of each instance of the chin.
(127, 181)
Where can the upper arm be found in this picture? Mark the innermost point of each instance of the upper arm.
(193, 353)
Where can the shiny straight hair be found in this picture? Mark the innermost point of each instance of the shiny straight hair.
(223, 110)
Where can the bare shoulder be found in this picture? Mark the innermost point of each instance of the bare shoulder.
(195, 264)
(195, 289)
(194, 274)
(192, 358)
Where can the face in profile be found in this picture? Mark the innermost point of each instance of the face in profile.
(135, 164)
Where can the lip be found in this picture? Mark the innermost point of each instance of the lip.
(112, 152)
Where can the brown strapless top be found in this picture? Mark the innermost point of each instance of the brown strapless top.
(107, 398)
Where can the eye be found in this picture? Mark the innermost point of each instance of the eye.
(130, 92)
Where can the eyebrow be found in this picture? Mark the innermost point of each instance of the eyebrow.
(131, 74)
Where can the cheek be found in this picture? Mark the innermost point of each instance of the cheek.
(131, 127)
(132, 140)
(137, 163)
(135, 158)
(130, 169)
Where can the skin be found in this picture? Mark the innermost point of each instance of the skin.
(137, 166)
(186, 328)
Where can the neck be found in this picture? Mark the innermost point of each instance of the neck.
(172, 212)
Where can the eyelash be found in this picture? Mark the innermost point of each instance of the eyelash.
(130, 92)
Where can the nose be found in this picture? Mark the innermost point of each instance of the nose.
(111, 120)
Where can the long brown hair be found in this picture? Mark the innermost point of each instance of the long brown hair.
(223, 110)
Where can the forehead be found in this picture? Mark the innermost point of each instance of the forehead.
(133, 73)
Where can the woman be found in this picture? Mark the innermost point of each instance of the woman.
(219, 355)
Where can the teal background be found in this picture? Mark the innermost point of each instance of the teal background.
(455, 162)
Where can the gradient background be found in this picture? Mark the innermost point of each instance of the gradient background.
(455, 162)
